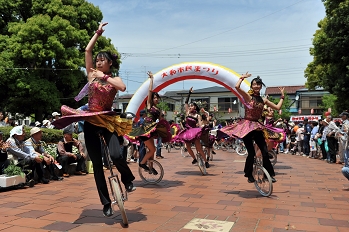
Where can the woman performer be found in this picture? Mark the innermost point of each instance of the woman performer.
(99, 119)
(193, 131)
(278, 136)
(251, 128)
(151, 129)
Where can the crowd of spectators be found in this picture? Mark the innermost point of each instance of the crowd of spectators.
(30, 155)
(323, 139)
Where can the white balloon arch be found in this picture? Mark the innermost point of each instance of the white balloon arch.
(186, 71)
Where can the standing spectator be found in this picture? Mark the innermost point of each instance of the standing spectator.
(66, 155)
(35, 148)
(4, 161)
(306, 140)
(299, 138)
(141, 150)
(329, 132)
(314, 131)
(342, 143)
(37, 124)
(345, 128)
(318, 137)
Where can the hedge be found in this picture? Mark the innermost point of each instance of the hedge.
(48, 135)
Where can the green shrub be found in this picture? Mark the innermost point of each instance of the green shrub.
(48, 135)
(13, 170)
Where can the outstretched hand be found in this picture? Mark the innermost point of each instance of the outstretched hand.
(101, 25)
(246, 75)
(282, 89)
(150, 74)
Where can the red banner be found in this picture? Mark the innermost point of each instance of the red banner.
(301, 118)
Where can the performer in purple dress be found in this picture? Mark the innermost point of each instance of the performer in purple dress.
(100, 119)
(194, 131)
(251, 127)
(151, 128)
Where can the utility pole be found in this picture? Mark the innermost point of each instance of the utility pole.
(126, 81)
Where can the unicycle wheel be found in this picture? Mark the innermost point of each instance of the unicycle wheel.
(263, 182)
(119, 200)
(201, 164)
(148, 176)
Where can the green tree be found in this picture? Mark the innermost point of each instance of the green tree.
(328, 101)
(285, 108)
(163, 106)
(42, 45)
(330, 66)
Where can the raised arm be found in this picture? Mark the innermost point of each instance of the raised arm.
(245, 95)
(186, 105)
(272, 105)
(150, 91)
(88, 51)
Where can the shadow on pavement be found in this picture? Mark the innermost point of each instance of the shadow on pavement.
(90, 216)
(246, 193)
(162, 184)
(194, 173)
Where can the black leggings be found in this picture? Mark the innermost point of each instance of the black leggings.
(94, 149)
(259, 139)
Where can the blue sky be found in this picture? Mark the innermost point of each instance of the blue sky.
(269, 38)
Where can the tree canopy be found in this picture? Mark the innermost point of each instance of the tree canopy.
(330, 66)
(42, 48)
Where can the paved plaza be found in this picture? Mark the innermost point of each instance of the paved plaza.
(310, 195)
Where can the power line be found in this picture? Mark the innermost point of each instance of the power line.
(208, 37)
(254, 52)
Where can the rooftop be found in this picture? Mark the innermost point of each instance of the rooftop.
(288, 89)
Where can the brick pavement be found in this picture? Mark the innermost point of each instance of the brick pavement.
(310, 195)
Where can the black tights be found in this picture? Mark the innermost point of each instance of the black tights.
(259, 139)
(94, 149)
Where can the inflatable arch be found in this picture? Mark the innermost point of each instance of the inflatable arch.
(187, 71)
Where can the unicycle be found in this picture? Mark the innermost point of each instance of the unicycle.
(263, 181)
(149, 176)
(201, 164)
(119, 195)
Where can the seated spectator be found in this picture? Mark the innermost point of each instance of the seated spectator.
(4, 161)
(45, 124)
(50, 120)
(55, 115)
(34, 146)
(66, 155)
(37, 124)
(22, 157)
(11, 121)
